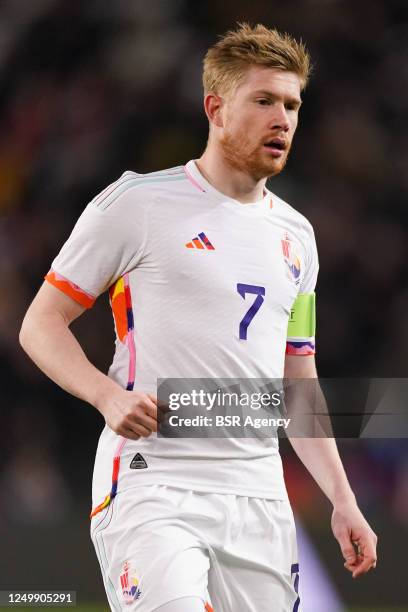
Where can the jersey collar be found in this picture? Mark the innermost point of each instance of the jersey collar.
(198, 180)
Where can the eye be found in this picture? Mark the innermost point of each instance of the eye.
(292, 107)
(263, 101)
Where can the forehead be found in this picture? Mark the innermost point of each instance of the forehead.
(280, 82)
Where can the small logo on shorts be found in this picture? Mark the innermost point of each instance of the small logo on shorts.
(129, 584)
(138, 462)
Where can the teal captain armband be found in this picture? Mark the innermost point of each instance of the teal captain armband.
(302, 320)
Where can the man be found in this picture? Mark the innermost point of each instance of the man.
(203, 265)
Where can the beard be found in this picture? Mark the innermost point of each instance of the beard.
(250, 159)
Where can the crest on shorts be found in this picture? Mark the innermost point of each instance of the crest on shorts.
(129, 584)
(291, 260)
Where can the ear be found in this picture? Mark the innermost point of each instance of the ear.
(213, 106)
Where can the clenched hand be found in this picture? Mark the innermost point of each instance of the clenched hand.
(129, 413)
(357, 540)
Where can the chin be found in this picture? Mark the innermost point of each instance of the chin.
(262, 167)
(266, 170)
(276, 169)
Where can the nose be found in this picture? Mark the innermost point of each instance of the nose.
(279, 118)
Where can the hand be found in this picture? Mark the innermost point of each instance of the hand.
(129, 413)
(357, 540)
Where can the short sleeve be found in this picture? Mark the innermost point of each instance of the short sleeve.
(107, 241)
(302, 322)
(309, 277)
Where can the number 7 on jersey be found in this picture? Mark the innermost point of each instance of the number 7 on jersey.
(255, 290)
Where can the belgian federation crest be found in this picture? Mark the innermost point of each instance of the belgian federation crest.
(291, 259)
(129, 584)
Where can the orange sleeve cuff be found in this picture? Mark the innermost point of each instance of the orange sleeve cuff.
(70, 289)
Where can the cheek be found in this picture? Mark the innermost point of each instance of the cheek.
(241, 129)
(239, 117)
(293, 123)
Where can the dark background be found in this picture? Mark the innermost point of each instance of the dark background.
(90, 89)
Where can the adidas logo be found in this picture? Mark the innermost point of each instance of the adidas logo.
(138, 462)
(200, 242)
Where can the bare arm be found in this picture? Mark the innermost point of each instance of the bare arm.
(46, 337)
(321, 458)
(319, 455)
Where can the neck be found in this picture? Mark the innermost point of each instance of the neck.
(233, 183)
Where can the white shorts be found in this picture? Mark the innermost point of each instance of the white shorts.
(157, 544)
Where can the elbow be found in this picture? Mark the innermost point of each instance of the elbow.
(25, 333)
(22, 336)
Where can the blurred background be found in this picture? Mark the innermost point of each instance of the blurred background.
(90, 89)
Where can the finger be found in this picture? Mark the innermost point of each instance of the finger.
(149, 407)
(138, 428)
(364, 567)
(361, 566)
(128, 433)
(141, 430)
(352, 566)
(163, 407)
(367, 548)
(145, 420)
(139, 417)
(347, 548)
(144, 401)
(161, 415)
(153, 398)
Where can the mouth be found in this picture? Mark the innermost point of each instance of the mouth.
(276, 146)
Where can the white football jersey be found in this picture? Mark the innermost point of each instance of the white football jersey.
(184, 264)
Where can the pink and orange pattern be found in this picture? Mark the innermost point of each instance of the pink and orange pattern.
(305, 347)
(121, 303)
(73, 291)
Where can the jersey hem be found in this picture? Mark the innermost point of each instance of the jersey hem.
(202, 488)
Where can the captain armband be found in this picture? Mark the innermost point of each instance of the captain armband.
(302, 326)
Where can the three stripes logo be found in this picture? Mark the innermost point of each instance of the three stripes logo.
(200, 242)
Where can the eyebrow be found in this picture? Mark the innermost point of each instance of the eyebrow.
(269, 94)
